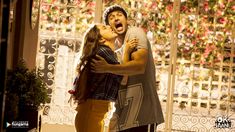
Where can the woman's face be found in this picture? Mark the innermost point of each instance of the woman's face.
(106, 32)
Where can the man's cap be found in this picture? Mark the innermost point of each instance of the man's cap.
(111, 9)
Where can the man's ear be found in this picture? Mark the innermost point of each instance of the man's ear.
(102, 40)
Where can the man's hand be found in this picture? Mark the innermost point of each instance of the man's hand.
(99, 65)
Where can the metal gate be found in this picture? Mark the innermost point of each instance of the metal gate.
(62, 24)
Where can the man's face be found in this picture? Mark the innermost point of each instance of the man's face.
(118, 22)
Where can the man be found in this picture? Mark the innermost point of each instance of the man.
(138, 103)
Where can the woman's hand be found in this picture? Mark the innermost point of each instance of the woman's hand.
(131, 45)
(100, 65)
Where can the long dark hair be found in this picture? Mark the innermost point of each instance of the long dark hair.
(89, 45)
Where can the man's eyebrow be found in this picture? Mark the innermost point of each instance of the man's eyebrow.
(111, 14)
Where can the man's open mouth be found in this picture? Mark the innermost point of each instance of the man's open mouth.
(119, 26)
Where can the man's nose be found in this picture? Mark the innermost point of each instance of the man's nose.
(116, 18)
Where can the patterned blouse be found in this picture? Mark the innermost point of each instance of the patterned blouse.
(104, 86)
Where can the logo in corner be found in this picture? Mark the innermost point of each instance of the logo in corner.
(7, 124)
(18, 124)
(223, 122)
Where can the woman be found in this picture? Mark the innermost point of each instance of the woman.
(98, 40)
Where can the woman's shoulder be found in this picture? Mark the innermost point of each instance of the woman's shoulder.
(107, 53)
(104, 48)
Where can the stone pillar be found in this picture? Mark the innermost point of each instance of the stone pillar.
(98, 11)
(25, 38)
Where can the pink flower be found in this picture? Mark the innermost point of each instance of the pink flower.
(222, 5)
(169, 7)
(184, 8)
(154, 5)
(145, 5)
(92, 4)
(198, 36)
(145, 29)
(45, 8)
(206, 33)
(78, 1)
(152, 24)
(222, 20)
(194, 42)
(71, 91)
(233, 7)
(208, 50)
(219, 13)
(206, 6)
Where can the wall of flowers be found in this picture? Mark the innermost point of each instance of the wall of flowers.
(205, 84)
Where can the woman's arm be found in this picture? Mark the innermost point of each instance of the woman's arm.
(135, 66)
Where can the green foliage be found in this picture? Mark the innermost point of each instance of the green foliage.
(25, 87)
